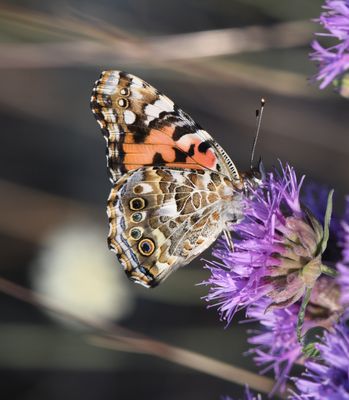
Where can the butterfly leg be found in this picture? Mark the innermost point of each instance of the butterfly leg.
(229, 239)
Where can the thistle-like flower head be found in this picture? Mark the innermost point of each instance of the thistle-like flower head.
(277, 250)
(275, 342)
(329, 378)
(333, 61)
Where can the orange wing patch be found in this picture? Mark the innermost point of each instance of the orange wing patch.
(159, 148)
(142, 127)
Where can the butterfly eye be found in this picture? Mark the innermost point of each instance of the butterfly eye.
(125, 92)
(136, 233)
(123, 103)
(137, 217)
(137, 203)
(146, 247)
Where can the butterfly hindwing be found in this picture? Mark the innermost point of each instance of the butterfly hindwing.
(143, 127)
(161, 218)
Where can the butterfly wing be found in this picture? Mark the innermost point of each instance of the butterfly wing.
(161, 218)
(174, 187)
(142, 127)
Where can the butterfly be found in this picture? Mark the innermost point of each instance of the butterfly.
(175, 190)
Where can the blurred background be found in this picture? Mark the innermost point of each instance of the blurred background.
(215, 59)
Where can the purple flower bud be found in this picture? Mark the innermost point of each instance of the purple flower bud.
(275, 342)
(333, 62)
(329, 378)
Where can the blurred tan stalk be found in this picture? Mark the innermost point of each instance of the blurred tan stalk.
(116, 337)
(71, 40)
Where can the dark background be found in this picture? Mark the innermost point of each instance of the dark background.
(53, 171)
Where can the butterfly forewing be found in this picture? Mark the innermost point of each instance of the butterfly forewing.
(143, 127)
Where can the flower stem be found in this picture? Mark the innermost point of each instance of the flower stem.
(187, 358)
(301, 315)
(116, 337)
(328, 271)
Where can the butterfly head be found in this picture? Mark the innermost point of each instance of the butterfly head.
(253, 178)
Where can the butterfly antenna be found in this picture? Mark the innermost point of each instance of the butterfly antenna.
(259, 115)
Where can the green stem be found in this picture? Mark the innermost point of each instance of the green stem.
(301, 315)
(328, 271)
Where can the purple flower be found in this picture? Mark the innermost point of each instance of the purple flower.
(329, 378)
(333, 61)
(275, 341)
(343, 266)
(343, 281)
(344, 234)
(276, 250)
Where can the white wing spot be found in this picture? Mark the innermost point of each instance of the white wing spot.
(129, 117)
(164, 104)
(136, 81)
(153, 111)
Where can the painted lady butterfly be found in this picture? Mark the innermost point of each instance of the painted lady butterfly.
(174, 187)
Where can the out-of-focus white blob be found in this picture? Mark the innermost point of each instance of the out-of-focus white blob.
(76, 270)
